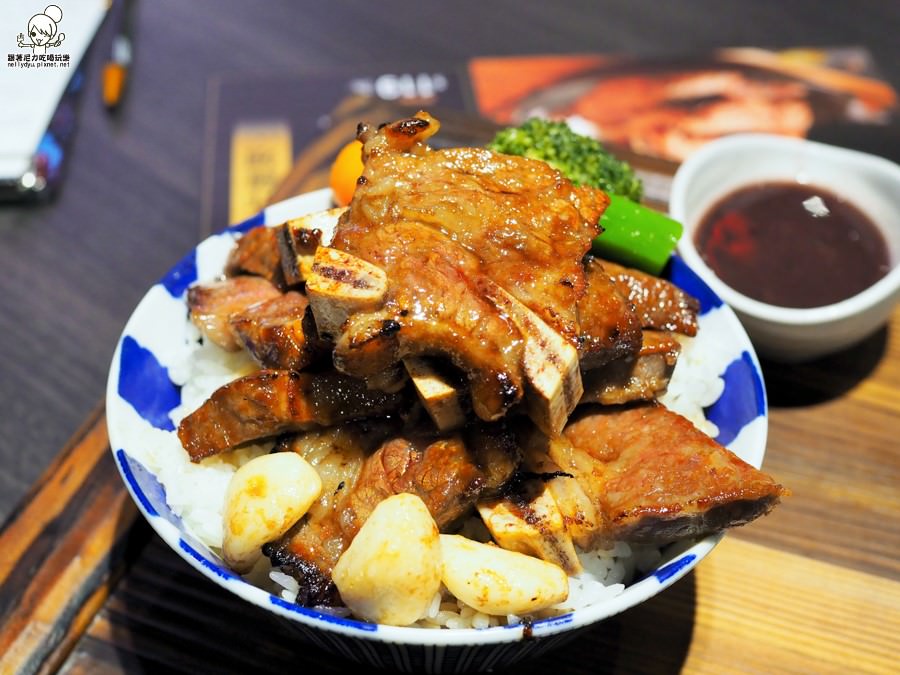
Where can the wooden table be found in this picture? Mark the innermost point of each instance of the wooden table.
(86, 587)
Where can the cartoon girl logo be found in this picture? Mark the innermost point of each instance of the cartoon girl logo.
(43, 31)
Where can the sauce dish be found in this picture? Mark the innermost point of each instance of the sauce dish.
(870, 183)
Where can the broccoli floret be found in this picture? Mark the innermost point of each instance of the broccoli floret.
(581, 159)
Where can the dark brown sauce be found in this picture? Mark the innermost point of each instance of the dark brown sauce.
(765, 243)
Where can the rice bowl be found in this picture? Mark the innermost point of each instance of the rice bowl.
(161, 371)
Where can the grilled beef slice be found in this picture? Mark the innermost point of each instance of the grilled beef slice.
(641, 377)
(654, 477)
(257, 253)
(280, 333)
(610, 327)
(212, 305)
(272, 402)
(447, 225)
(659, 303)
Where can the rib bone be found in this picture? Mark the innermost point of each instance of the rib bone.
(551, 366)
(299, 238)
(531, 523)
(440, 397)
(341, 284)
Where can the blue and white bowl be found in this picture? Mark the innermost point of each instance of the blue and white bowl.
(141, 395)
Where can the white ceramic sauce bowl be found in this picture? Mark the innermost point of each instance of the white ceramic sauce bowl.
(871, 183)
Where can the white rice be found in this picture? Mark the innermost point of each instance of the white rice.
(695, 383)
(196, 492)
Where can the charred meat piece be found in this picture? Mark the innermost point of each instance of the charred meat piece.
(445, 225)
(641, 377)
(446, 472)
(280, 333)
(654, 477)
(529, 226)
(212, 305)
(496, 451)
(441, 471)
(272, 402)
(434, 305)
(257, 253)
(610, 328)
(660, 304)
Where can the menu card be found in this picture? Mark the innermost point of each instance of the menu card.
(653, 112)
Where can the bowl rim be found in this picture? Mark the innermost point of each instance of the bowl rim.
(685, 555)
(743, 304)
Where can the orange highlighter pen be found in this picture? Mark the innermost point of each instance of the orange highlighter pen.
(115, 70)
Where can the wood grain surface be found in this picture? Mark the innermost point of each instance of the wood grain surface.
(62, 552)
(85, 587)
(162, 615)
